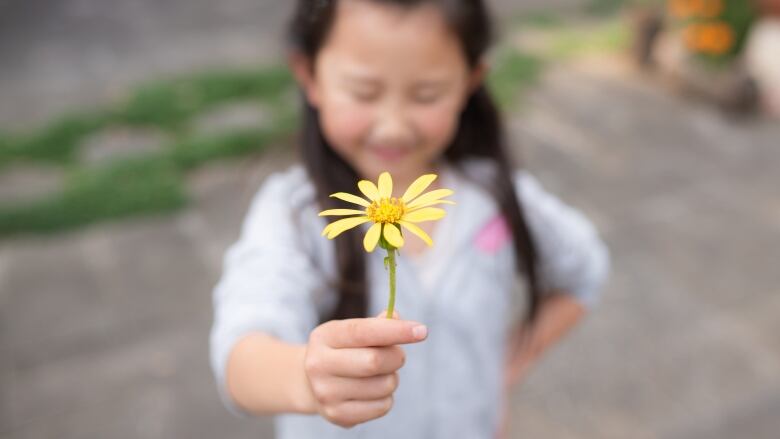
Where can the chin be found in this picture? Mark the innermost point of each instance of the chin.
(395, 169)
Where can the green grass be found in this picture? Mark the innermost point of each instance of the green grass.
(169, 105)
(536, 19)
(514, 71)
(197, 151)
(604, 7)
(610, 7)
(154, 182)
(123, 189)
(56, 142)
(611, 36)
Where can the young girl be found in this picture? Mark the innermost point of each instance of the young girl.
(398, 86)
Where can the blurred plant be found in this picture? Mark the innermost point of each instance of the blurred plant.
(118, 190)
(713, 30)
(513, 72)
(607, 7)
(608, 36)
(153, 182)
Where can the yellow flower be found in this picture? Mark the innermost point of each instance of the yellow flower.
(387, 212)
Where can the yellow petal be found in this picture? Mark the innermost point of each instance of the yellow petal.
(338, 212)
(369, 189)
(328, 227)
(385, 185)
(418, 187)
(337, 228)
(417, 231)
(349, 198)
(372, 237)
(430, 196)
(432, 203)
(393, 236)
(426, 214)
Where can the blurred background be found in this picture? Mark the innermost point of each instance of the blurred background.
(134, 132)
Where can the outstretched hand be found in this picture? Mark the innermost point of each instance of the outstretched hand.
(352, 365)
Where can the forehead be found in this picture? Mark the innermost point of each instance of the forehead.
(381, 37)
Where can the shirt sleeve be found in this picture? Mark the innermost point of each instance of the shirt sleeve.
(268, 282)
(572, 256)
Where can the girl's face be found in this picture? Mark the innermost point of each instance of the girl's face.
(389, 83)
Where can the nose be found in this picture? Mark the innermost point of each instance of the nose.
(393, 127)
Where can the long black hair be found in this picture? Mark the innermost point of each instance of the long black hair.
(480, 134)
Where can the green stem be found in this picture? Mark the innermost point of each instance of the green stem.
(391, 260)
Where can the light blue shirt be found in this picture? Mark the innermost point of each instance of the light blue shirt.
(278, 279)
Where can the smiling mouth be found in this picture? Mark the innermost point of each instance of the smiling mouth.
(390, 154)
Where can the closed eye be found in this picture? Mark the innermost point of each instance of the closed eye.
(428, 94)
(426, 97)
(362, 88)
(363, 94)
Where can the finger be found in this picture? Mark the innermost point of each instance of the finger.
(354, 333)
(383, 314)
(351, 413)
(359, 389)
(365, 362)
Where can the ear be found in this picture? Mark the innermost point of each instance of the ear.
(302, 68)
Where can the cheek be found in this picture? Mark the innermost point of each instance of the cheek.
(438, 124)
(347, 125)
(344, 124)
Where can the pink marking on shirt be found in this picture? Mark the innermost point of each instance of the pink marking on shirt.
(493, 235)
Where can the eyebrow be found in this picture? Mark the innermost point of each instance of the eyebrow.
(370, 80)
(359, 77)
(432, 83)
(421, 83)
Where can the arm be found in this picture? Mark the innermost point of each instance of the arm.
(573, 263)
(347, 372)
(266, 376)
(558, 314)
(265, 304)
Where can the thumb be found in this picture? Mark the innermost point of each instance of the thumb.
(383, 314)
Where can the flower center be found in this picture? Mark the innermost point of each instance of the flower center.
(386, 210)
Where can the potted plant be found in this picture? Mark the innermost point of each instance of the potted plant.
(699, 47)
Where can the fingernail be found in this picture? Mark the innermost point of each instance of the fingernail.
(419, 332)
